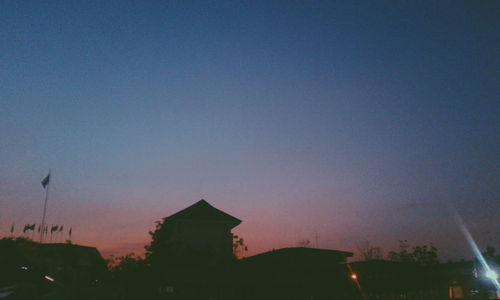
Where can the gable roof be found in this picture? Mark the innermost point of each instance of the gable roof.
(203, 211)
(50, 256)
(303, 252)
(296, 258)
(72, 253)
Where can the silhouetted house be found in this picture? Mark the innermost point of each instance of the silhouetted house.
(297, 258)
(200, 231)
(75, 264)
(296, 273)
(70, 264)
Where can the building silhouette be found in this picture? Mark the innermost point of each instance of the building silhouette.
(197, 235)
(192, 251)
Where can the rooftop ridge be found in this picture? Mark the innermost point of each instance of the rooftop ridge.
(202, 210)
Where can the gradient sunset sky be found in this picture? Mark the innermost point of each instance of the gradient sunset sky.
(358, 121)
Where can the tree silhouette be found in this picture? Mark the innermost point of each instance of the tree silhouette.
(423, 255)
(239, 246)
(164, 253)
(491, 254)
(129, 276)
(125, 263)
(369, 252)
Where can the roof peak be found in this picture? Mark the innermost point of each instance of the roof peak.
(204, 211)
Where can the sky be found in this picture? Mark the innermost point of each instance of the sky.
(353, 122)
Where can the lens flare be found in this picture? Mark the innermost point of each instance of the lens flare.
(489, 273)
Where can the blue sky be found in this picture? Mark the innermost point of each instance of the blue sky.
(360, 121)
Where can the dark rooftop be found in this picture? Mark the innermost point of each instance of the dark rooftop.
(203, 211)
(297, 258)
(304, 251)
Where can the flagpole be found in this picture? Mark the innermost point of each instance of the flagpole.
(45, 207)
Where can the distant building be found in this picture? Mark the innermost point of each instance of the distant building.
(294, 273)
(200, 233)
(73, 265)
(296, 258)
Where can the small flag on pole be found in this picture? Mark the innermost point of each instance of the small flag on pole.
(70, 231)
(12, 228)
(46, 180)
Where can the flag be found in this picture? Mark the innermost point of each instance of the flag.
(46, 180)
(61, 228)
(12, 228)
(31, 227)
(70, 230)
(26, 227)
(39, 226)
(54, 228)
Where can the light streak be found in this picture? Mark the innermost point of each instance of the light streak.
(354, 277)
(491, 274)
(476, 251)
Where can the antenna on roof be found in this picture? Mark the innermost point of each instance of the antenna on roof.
(316, 239)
